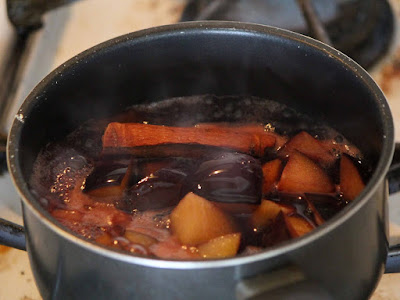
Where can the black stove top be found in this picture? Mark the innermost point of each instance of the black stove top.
(363, 29)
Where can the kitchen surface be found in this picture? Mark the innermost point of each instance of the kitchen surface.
(72, 28)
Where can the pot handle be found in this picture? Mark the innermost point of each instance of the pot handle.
(286, 283)
(393, 176)
(12, 235)
(393, 260)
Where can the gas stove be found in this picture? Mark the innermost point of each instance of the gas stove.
(366, 30)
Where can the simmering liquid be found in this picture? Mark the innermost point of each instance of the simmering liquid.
(200, 177)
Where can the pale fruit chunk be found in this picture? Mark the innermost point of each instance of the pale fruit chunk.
(351, 183)
(302, 175)
(297, 225)
(311, 147)
(105, 239)
(267, 211)
(220, 247)
(271, 171)
(196, 220)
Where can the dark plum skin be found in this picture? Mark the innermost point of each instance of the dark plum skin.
(229, 177)
(105, 175)
(110, 178)
(161, 189)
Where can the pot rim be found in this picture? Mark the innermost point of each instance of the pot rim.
(211, 26)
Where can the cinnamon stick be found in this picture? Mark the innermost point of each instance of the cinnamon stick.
(133, 135)
(280, 140)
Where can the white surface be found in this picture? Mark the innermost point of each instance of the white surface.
(71, 30)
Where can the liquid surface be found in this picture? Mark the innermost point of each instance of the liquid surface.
(240, 174)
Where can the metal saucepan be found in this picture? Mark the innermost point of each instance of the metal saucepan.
(342, 259)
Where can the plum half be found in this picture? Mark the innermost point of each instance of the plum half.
(109, 178)
(229, 177)
(160, 189)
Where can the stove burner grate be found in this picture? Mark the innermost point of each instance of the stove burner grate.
(363, 29)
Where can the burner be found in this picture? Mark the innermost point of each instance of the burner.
(363, 29)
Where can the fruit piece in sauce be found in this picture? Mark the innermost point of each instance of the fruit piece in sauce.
(311, 147)
(276, 232)
(351, 183)
(105, 239)
(159, 189)
(229, 177)
(236, 208)
(196, 220)
(302, 175)
(327, 205)
(108, 179)
(271, 171)
(221, 247)
(315, 213)
(297, 226)
(267, 211)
